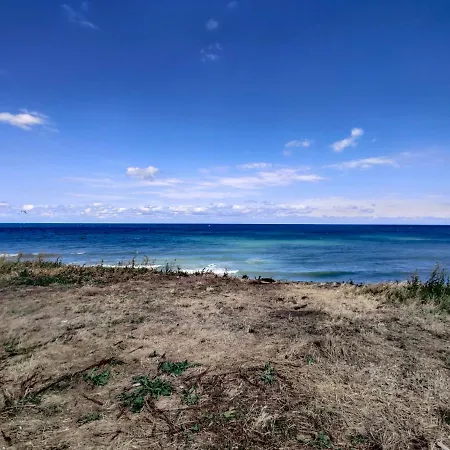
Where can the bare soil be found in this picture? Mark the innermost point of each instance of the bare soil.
(281, 366)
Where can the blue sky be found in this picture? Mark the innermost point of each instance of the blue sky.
(294, 111)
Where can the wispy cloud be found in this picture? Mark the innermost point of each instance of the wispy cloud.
(350, 141)
(365, 163)
(78, 17)
(257, 165)
(144, 173)
(212, 25)
(25, 120)
(211, 53)
(233, 4)
(280, 177)
(291, 145)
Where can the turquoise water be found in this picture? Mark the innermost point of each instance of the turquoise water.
(362, 253)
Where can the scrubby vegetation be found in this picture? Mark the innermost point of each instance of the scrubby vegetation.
(434, 291)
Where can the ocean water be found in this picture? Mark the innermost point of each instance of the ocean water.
(362, 253)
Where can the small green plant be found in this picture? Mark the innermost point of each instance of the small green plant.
(358, 439)
(176, 368)
(195, 428)
(230, 414)
(268, 375)
(96, 377)
(321, 441)
(143, 387)
(309, 359)
(89, 418)
(11, 347)
(32, 399)
(190, 397)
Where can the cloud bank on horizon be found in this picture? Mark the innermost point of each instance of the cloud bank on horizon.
(223, 114)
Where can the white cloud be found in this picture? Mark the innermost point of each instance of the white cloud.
(84, 6)
(78, 17)
(296, 143)
(365, 163)
(212, 52)
(233, 4)
(289, 146)
(212, 25)
(326, 209)
(280, 177)
(145, 173)
(350, 141)
(257, 165)
(25, 119)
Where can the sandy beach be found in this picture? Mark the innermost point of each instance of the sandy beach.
(221, 363)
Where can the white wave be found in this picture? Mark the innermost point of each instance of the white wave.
(78, 253)
(8, 255)
(255, 261)
(136, 266)
(211, 268)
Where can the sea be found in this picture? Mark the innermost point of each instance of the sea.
(358, 253)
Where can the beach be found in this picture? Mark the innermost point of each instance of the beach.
(130, 358)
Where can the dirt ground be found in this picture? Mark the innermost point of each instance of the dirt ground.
(279, 366)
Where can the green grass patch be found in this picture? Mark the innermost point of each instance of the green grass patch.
(143, 387)
(176, 368)
(269, 374)
(97, 377)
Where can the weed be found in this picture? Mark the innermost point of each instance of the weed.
(89, 418)
(11, 347)
(268, 375)
(195, 428)
(144, 387)
(96, 377)
(309, 359)
(358, 439)
(176, 368)
(190, 397)
(230, 414)
(321, 441)
(32, 399)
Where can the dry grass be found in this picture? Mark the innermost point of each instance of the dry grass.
(282, 365)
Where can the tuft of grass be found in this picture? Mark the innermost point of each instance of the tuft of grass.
(32, 399)
(11, 347)
(96, 377)
(435, 290)
(92, 417)
(321, 441)
(143, 387)
(268, 375)
(358, 439)
(176, 368)
(190, 396)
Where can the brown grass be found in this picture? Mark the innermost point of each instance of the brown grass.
(350, 369)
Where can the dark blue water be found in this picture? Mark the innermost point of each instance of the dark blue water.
(361, 253)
